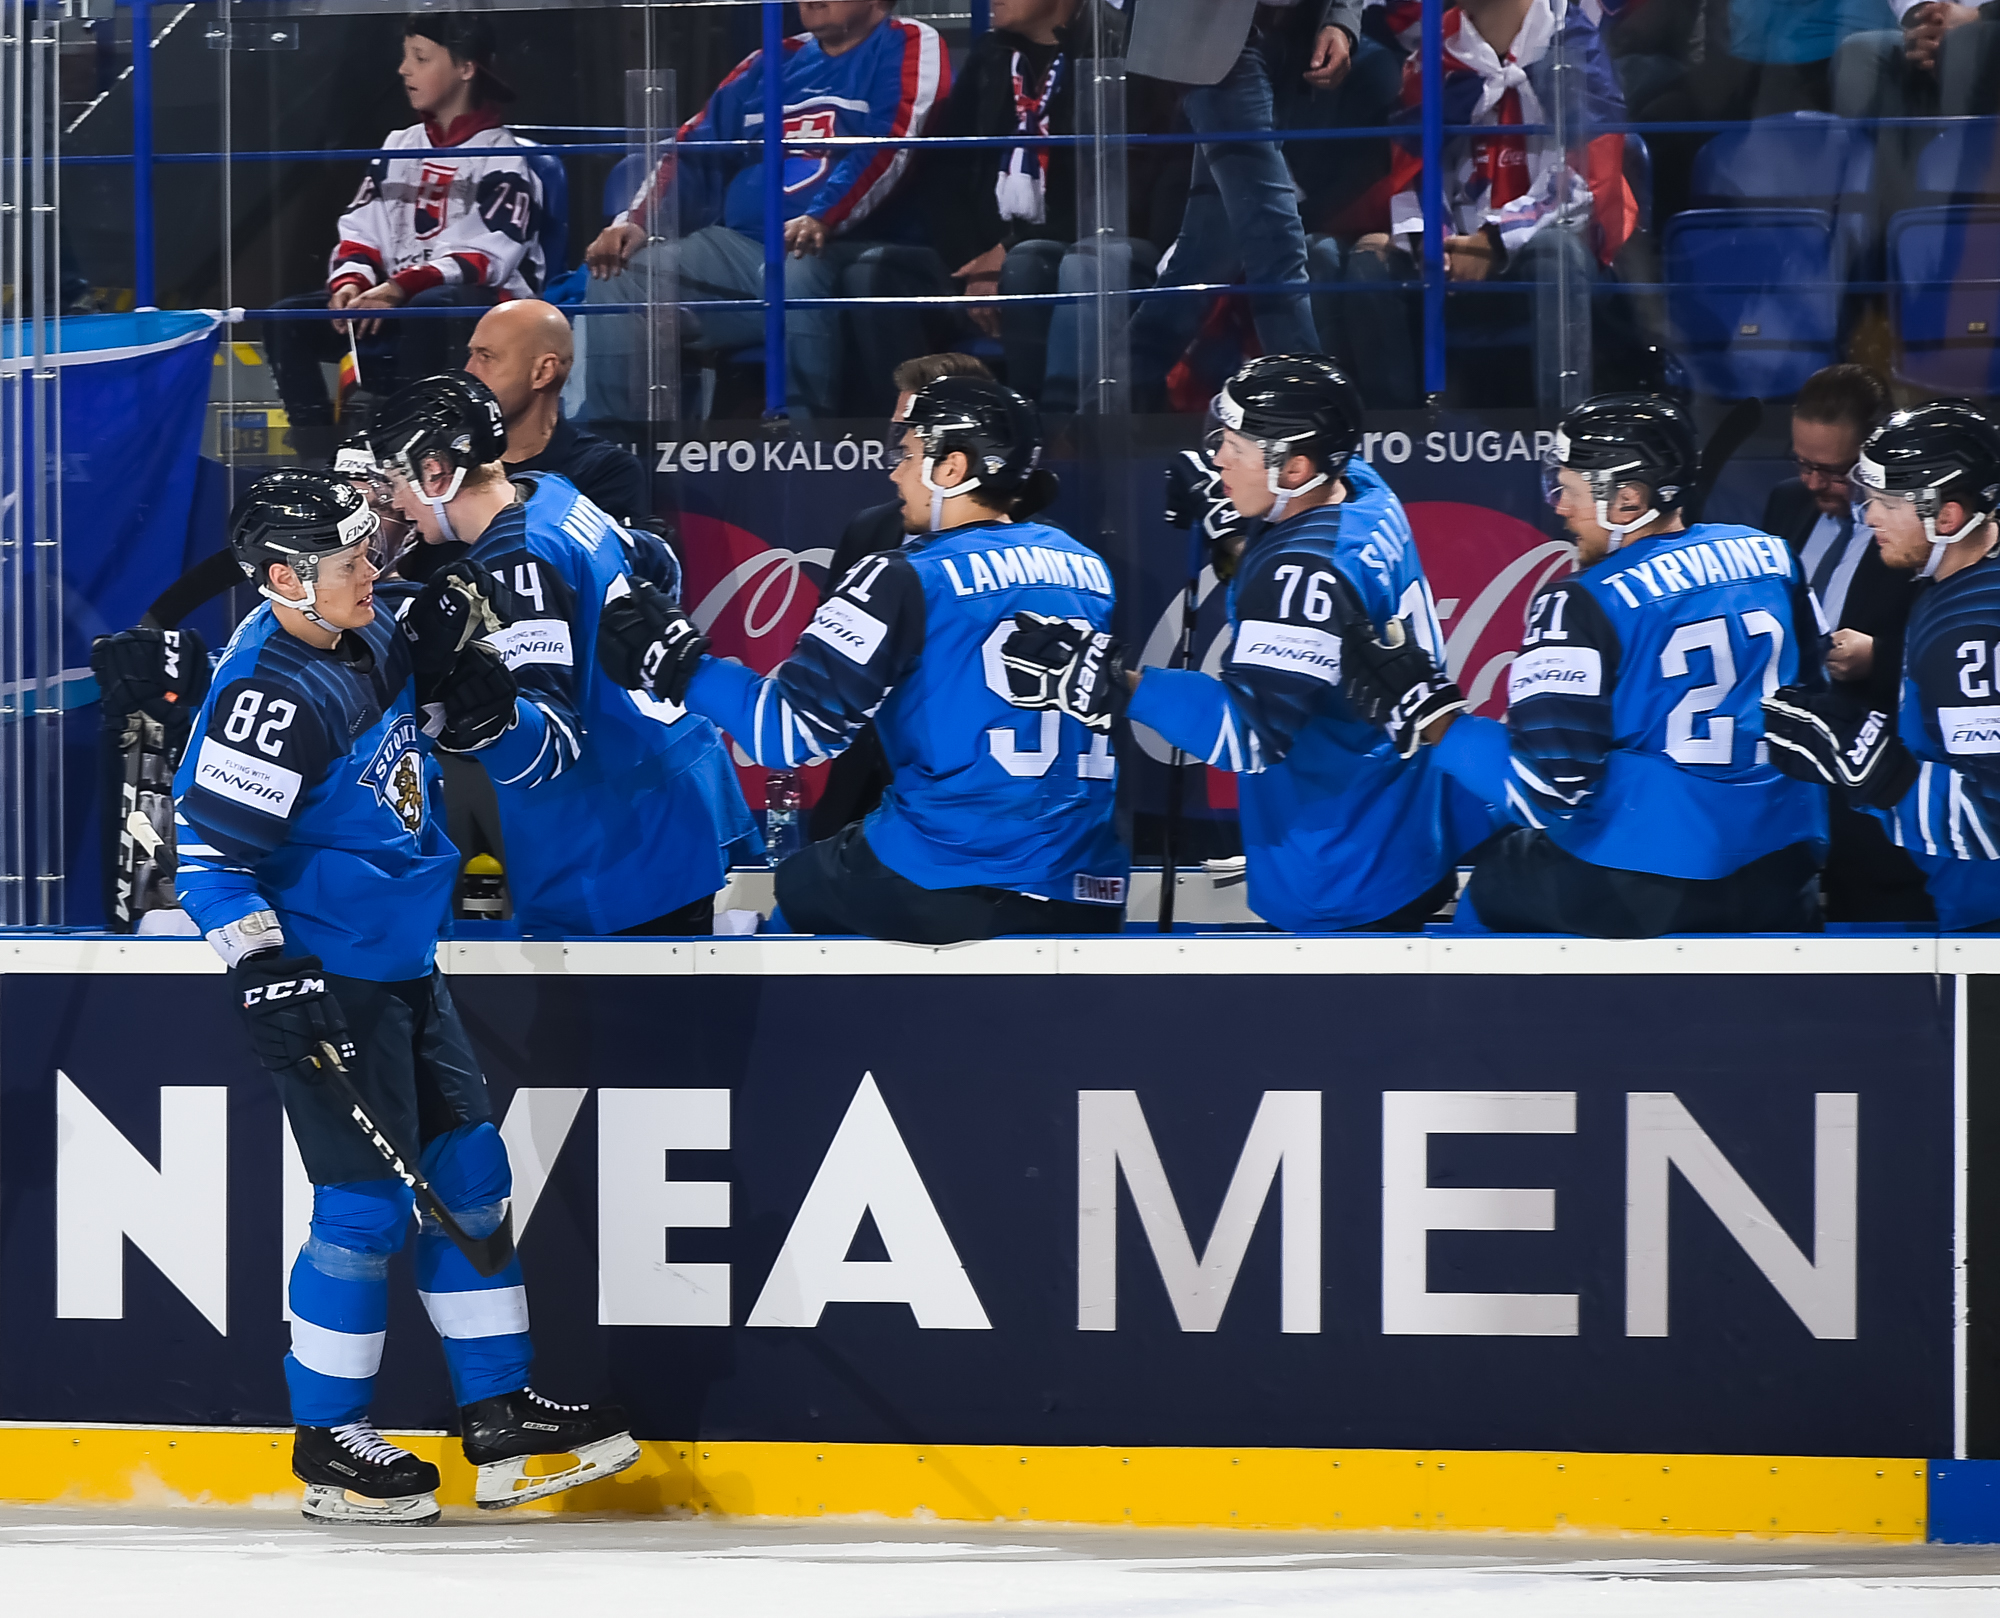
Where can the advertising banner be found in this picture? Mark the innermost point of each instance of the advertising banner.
(1578, 1212)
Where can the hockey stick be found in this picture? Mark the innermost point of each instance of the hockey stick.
(489, 1255)
(1730, 435)
(1177, 765)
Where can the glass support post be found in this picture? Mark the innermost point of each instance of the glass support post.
(1433, 202)
(774, 211)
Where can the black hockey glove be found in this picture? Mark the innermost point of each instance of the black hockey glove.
(161, 673)
(452, 610)
(1393, 683)
(1054, 663)
(1822, 737)
(288, 1011)
(1195, 498)
(646, 643)
(473, 705)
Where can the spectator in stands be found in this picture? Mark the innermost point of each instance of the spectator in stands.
(427, 231)
(1518, 209)
(1943, 61)
(1006, 219)
(857, 778)
(1822, 516)
(523, 351)
(857, 70)
(1242, 60)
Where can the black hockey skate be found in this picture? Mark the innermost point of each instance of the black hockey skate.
(353, 1474)
(506, 1436)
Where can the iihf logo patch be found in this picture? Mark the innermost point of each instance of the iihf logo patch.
(396, 773)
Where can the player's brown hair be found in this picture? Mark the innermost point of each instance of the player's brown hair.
(1852, 394)
(913, 375)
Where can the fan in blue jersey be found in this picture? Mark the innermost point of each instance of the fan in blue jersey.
(619, 811)
(996, 822)
(1932, 773)
(1633, 748)
(1340, 829)
(313, 859)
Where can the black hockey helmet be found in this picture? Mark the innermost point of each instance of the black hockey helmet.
(298, 518)
(1948, 450)
(996, 430)
(452, 417)
(1291, 404)
(1617, 438)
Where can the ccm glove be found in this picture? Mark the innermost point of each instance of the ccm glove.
(1054, 663)
(288, 1011)
(451, 611)
(1818, 736)
(646, 643)
(162, 673)
(473, 705)
(1393, 683)
(1195, 499)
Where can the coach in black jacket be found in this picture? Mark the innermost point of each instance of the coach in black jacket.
(1867, 877)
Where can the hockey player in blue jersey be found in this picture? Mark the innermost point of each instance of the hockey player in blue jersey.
(1633, 757)
(619, 811)
(312, 857)
(1932, 772)
(995, 822)
(1340, 830)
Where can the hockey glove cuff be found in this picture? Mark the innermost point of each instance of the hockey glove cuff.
(1393, 683)
(473, 706)
(162, 673)
(288, 1011)
(445, 617)
(1818, 736)
(645, 643)
(1057, 663)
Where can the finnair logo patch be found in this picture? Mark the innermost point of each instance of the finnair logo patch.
(533, 640)
(1574, 671)
(1970, 730)
(242, 778)
(1293, 647)
(847, 629)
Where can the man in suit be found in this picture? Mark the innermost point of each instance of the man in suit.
(1241, 58)
(1820, 515)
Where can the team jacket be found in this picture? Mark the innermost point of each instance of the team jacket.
(1338, 830)
(1950, 820)
(886, 85)
(616, 808)
(984, 795)
(1635, 720)
(309, 789)
(464, 209)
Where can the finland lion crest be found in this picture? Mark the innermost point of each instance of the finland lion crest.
(396, 773)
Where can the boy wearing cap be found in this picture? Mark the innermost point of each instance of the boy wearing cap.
(456, 223)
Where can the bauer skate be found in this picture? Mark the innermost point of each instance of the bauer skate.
(353, 1474)
(506, 1437)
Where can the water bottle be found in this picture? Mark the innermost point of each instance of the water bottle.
(784, 803)
(480, 899)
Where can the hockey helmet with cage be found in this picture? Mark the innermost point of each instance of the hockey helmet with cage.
(996, 430)
(1290, 404)
(300, 519)
(1613, 439)
(451, 418)
(1947, 450)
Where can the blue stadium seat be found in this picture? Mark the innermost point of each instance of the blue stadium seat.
(1765, 342)
(1800, 158)
(622, 184)
(549, 170)
(1962, 164)
(1946, 328)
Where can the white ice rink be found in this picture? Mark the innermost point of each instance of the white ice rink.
(215, 1564)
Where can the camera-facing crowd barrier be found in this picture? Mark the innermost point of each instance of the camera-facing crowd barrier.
(1667, 1236)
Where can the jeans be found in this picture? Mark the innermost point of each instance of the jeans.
(1045, 342)
(713, 263)
(1242, 215)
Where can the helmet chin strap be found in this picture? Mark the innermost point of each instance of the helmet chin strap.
(1940, 543)
(438, 503)
(1618, 531)
(308, 577)
(940, 494)
(1282, 497)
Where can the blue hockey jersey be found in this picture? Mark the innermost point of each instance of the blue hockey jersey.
(1949, 821)
(616, 808)
(1338, 830)
(1635, 720)
(886, 85)
(984, 795)
(309, 789)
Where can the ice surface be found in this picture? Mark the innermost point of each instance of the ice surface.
(217, 1564)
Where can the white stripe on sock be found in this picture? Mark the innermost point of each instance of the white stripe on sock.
(494, 1312)
(350, 1354)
